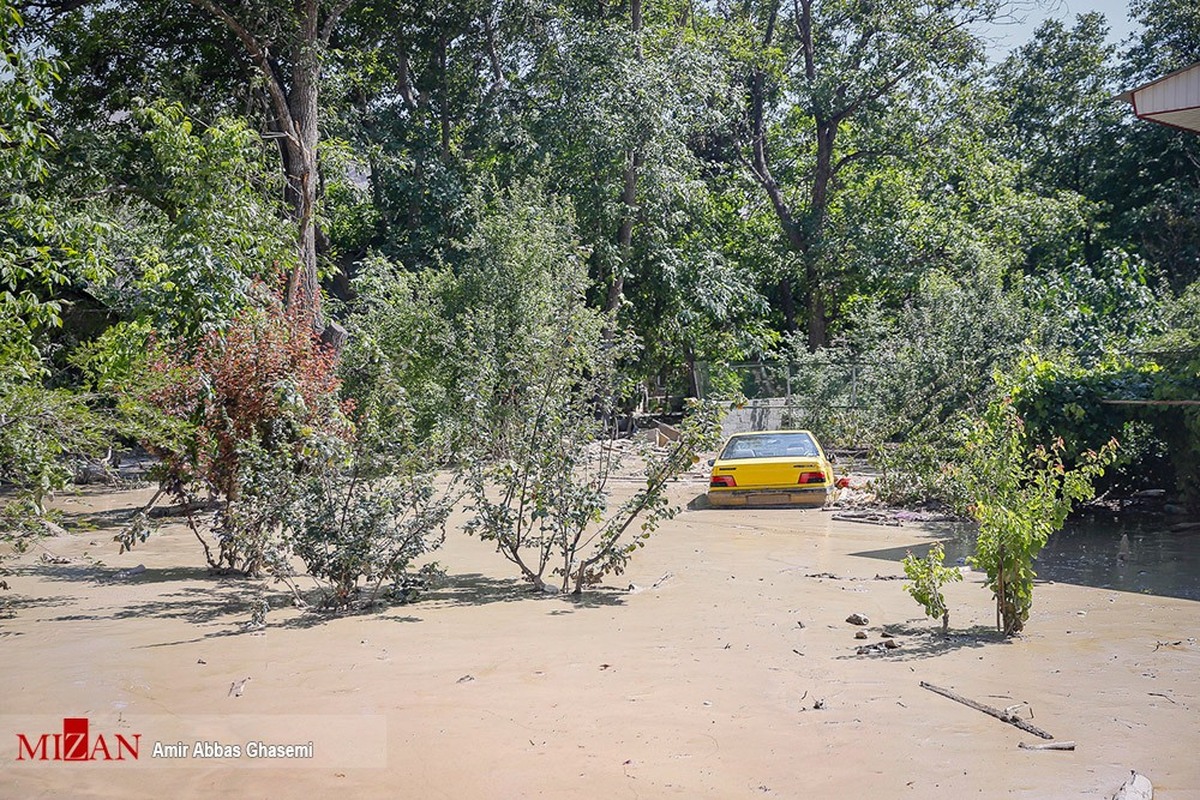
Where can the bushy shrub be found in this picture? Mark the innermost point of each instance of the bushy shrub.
(1019, 496)
(258, 392)
(928, 575)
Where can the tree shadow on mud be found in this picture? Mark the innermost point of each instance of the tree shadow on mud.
(919, 643)
(103, 520)
(199, 605)
(96, 574)
(11, 605)
(476, 589)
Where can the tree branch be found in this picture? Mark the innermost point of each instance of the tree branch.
(258, 54)
(331, 20)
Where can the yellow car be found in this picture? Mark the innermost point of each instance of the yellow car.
(771, 468)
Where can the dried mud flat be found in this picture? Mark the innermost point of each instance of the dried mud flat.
(721, 665)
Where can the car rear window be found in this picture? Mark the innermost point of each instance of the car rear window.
(770, 445)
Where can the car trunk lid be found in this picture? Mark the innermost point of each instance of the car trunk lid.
(761, 473)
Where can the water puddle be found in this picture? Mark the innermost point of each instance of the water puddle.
(1135, 554)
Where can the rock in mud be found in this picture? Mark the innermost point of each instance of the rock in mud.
(857, 619)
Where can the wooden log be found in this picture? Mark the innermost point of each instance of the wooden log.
(1137, 787)
(993, 712)
(1047, 746)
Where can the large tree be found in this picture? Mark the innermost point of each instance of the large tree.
(188, 53)
(825, 80)
(287, 43)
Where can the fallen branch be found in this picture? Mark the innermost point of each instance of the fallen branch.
(993, 712)
(875, 519)
(1048, 746)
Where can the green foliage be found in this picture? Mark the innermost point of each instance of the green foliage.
(1094, 309)
(403, 337)
(247, 400)
(537, 369)
(357, 530)
(898, 378)
(39, 429)
(1070, 403)
(928, 576)
(1179, 356)
(204, 230)
(43, 247)
(1019, 496)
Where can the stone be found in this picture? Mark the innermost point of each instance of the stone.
(891, 644)
(857, 619)
(860, 635)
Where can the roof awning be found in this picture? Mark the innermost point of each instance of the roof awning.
(1172, 100)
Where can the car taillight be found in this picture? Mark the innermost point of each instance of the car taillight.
(726, 481)
(811, 477)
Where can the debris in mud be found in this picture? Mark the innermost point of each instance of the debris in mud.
(858, 619)
(258, 616)
(237, 687)
(1136, 787)
(835, 577)
(129, 573)
(1047, 746)
(1168, 644)
(47, 558)
(93, 472)
(868, 518)
(465, 679)
(1008, 715)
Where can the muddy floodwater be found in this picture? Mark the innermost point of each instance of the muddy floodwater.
(1132, 553)
(721, 665)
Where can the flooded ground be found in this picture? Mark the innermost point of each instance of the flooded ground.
(721, 665)
(1132, 553)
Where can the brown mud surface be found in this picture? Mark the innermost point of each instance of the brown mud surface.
(716, 667)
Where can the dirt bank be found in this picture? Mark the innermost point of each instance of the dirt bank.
(725, 672)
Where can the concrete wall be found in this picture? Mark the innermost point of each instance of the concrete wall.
(764, 414)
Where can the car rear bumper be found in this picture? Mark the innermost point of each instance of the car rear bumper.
(798, 496)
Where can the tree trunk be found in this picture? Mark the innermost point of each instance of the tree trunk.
(788, 304)
(818, 212)
(304, 291)
(616, 288)
(295, 109)
(803, 235)
(633, 165)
